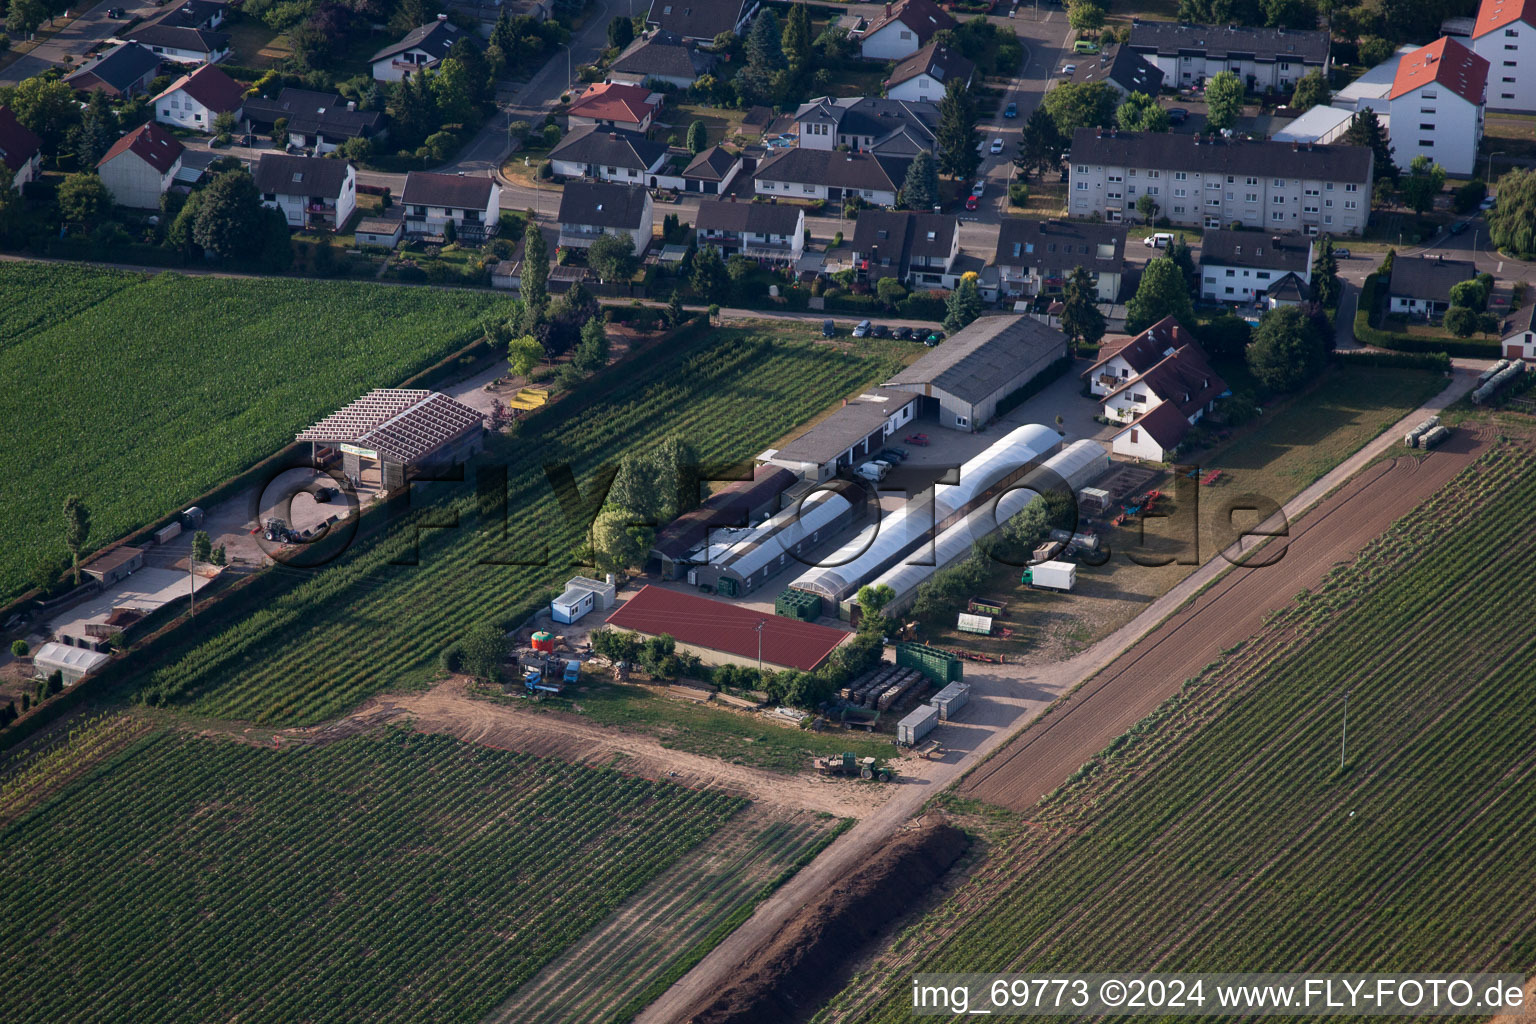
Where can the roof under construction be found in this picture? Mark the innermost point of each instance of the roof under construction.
(401, 425)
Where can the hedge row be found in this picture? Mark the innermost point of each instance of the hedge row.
(1378, 338)
(1437, 361)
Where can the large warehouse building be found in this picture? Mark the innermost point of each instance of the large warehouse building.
(727, 634)
(963, 380)
(393, 432)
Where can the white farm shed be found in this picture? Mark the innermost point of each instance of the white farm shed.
(581, 596)
(74, 662)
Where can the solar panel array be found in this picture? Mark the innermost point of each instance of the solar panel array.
(401, 424)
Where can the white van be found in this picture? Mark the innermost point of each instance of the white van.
(874, 471)
(1161, 240)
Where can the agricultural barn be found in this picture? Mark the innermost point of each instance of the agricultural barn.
(965, 378)
(390, 432)
(738, 504)
(117, 564)
(849, 436)
(727, 634)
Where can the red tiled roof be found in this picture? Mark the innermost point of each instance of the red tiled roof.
(150, 143)
(1183, 380)
(924, 17)
(17, 143)
(211, 87)
(1495, 14)
(1148, 348)
(613, 102)
(728, 628)
(1444, 61)
(1166, 425)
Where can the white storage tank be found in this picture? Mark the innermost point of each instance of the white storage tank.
(917, 725)
(951, 699)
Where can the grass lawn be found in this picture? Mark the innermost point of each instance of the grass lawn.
(739, 737)
(1508, 135)
(856, 78)
(1279, 455)
(254, 45)
(719, 124)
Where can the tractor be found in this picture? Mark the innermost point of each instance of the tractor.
(865, 768)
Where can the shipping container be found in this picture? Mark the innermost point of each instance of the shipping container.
(951, 699)
(917, 725)
(940, 666)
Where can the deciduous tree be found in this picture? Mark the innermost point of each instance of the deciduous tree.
(1223, 99)
(77, 529)
(523, 354)
(84, 200)
(1162, 293)
(613, 257)
(1141, 113)
(1311, 91)
(1286, 351)
(698, 138)
(1074, 105)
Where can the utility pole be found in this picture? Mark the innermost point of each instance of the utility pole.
(760, 624)
(192, 576)
(1344, 736)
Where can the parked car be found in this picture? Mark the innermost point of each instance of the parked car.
(1068, 70)
(1012, 110)
(900, 453)
(881, 331)
(1341, 252)
(1161, 240)
(934, 338)
(1486, 204)
(1177, 115)
(1085, 46)
(889, 455)
(862, 331)
(1458, 227)
(921, 440)
(905, 333)
(115, 12)
(978, 188)
(997, 146)
(828, 329)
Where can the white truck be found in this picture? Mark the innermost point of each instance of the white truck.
(1051, 575)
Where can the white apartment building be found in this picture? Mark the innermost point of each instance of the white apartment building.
(1436, 106)
(1264, 58)
(1241, 266)
(1505, 36)
(1222, 183)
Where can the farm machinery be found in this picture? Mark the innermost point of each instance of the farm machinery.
(866, 768)
(278, 531)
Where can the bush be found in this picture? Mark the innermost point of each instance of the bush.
(19, 648)
(1436, 361)
(451, 658)
(1018, 194)
(923, 306)
(1469, 196)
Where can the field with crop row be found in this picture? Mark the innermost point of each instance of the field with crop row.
(140, 393)
(1221, 833)
(401, 878)
(364, 624)
(692, 905)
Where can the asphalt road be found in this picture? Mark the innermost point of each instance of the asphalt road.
(72, 40)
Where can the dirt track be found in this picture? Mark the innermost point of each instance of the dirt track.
(1047, 753)
(448, 709)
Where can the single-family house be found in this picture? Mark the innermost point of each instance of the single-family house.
(609, 154)
(915, 248)
(1241, 266)
(700, 21)
(611, 105)
(1034, 257)
(140, 166)
(864, 124)
(186, 34)
(711, 172)
(194, 100)
(1519, 335)
(1264, 58)
(321, 121)
(660, 58)
(1505, 29)
(124, 70)
(20, 149)
(422, 47)
(311, 192)
(1436, 106)
(1122, 69)
(1158, 385)
(798, 173)
(927, 73)
(903, 29)
(431, 200)
(590, 209)
(1421, 285)
(761, 231)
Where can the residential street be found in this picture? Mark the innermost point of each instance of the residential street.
(73, 40)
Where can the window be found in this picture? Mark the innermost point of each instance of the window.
(1511, 46)
(1114, 177)
(1309, 209)
(1277, 215)
(905, 34)
(1426, 110)
(1328, 203)
(1512, 33)
(808, 188)
(1252, 181)
(1178, 209)
(1262, 275)
(1231, 273)
(1350, 204)
(1180, 193)
(1151, 190)
(1082, 168)
(1426, 143)
(1510, 63)
(1310, 192)
(1277, 200)
(961, 421)
(1429, 95)
(1229, 291)
(1328, 218)
(1137, 397)
(1082, 186)
(1426, 127)
(1279, 183)
(1508, 79)
(1506, 95)
(1351, 188)
(1329, 186)
(1251, 197)
(1213, 202)
(1179, 175)
(1152, 174)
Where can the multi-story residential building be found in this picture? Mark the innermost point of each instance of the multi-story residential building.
(903, 29)
(422, 47)
(867, 124)
(609, 154)
(591, 209)
(1215, 183)
(1122, 69)
(1241, 266)
(917, 248)
(1505, 36)
(798, 173)
(194, 101)
(761, 231)
(309, 191)
(1158, 384)
(141, 166)
(1035, 256)
(1264, 58)
(1436, 106)
(431, 200)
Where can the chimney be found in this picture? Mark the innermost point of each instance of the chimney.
(351, 104)
(442, 17)
(887, 10)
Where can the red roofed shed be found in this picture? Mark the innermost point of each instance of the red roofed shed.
(722, 633)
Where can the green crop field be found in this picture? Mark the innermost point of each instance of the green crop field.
(1221, 833)
(367, 623)
(393, 878)
(140, 393)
